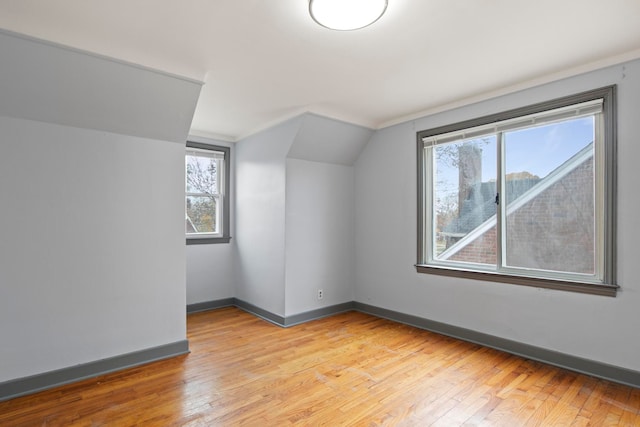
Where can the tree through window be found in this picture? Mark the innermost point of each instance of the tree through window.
(206, 183)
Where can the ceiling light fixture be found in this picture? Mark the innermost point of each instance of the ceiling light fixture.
(345, 15)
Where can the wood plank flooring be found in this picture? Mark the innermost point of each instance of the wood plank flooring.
(351, 369)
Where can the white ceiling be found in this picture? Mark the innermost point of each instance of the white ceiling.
(264, 61)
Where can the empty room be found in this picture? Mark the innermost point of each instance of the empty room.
(319, 212)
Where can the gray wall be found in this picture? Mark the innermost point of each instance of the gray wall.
(211, 273)
(603, 329)
(260, 170)
(92, 253)
(320, 237)
(92, 261)
(295, 214)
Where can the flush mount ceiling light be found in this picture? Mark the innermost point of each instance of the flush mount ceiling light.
(346, 15)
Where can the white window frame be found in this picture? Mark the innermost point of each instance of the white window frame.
(600, 102)
(222, 156)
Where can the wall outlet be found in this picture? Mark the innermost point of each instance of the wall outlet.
(320, 294)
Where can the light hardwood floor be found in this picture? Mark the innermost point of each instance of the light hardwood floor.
(350, 369)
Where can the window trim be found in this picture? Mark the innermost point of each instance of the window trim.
(609, 156)
(226, 236)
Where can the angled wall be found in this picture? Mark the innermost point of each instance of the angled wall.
(320, 219)
(295, 214)
(260, 170)
(46, 82)
(92, 253)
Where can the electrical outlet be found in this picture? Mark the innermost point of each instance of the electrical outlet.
(320, 294)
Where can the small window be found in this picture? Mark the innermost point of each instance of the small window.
(524, 197)
(207, 188)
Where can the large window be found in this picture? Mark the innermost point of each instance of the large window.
(525, 197)
(207, 188)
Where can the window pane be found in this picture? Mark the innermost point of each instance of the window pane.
(202, 174)
(554, 165)
(550, 197)
(464, 196)
(202, 214)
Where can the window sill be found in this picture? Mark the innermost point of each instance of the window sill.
(585, 288)
(207, 240)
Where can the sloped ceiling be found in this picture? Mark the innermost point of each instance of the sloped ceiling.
(266, 61)
(40, 81)
(320, 139)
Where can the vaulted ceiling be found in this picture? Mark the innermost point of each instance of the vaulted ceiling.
(264, 61)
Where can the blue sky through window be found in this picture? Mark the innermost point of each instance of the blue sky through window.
(540, 150)
(537, 150)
